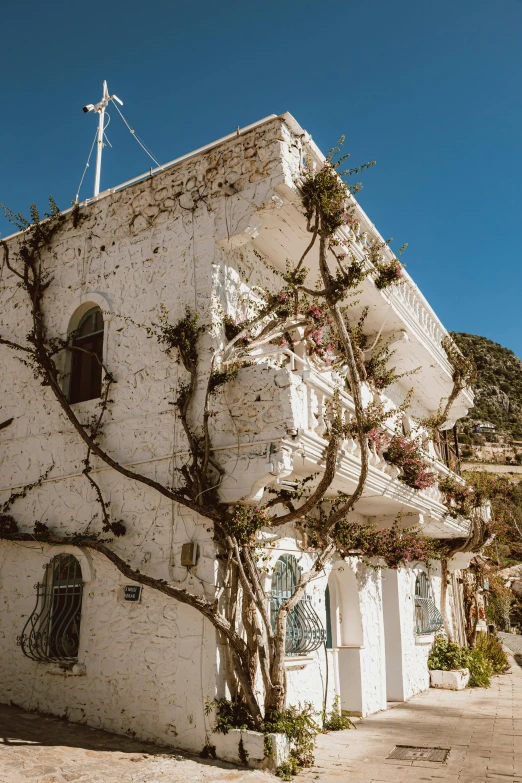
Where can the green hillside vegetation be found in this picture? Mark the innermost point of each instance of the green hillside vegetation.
(498, 388)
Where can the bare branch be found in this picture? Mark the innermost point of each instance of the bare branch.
(319, 492)
(3, 243)
(15, 346)
(310, 246)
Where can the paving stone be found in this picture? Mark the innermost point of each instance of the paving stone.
(482, 728)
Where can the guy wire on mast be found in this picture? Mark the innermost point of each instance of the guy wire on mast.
(99, 108)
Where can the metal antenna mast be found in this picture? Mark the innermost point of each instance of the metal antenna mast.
(100, 109)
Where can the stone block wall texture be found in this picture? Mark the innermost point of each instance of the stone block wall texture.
(373, 668)
(172, 241)
(146, 668)
(415, 648)
(149, 667)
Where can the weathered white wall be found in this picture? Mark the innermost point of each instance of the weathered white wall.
(148, 667)
(356, 664)
(176, 241)
(373, 670)
(407, 652)
(416, 648)
(358, 636)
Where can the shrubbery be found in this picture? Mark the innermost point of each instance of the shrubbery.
(336, 721)
(484, 660)
(297, 723)
(446, 655)
(490, 646)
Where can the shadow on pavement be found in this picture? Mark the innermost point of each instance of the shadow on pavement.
(21, 728)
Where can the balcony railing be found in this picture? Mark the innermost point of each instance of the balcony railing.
(404, 295)
(320, 388)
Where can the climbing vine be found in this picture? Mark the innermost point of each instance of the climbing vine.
(312, 315)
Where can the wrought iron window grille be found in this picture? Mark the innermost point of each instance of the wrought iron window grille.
(52, 631)
(304, 630)
(428, 619)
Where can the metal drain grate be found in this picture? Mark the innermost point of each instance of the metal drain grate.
(408, 753)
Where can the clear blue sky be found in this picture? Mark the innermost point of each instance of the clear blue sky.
(432, 91)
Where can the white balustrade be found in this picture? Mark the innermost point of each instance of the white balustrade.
(320, 389)
(404, 293)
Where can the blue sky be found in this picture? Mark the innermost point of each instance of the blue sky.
(432, 91)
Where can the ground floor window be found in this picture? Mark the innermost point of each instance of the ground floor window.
(428, 619)
(304, 630)
(52, 632)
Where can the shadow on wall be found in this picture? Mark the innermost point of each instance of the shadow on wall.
(18, 728)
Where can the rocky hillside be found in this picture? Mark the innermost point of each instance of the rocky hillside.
(498, 390)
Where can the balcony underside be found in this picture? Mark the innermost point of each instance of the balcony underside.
(279, 233)
(281, 435)
(384, 497)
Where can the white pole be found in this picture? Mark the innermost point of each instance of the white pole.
(99, 142)
(99, 108)
(99, 149)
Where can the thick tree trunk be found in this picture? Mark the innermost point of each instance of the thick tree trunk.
(208, 608)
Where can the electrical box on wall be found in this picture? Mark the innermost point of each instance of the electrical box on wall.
(189, 554)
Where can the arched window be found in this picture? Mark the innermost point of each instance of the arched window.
(86, 353)
(428, 619)
(304, 630)
(52, 632)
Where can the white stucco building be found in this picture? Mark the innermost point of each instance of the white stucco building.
(201, 233)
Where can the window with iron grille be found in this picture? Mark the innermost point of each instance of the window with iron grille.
(304, 630)
(328, 607)
(86, 357)
(52, 632)
(428, 619)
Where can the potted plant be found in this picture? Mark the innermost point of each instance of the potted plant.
(448, 665)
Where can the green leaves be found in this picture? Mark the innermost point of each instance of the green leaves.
(396, 546)
(484, 660)
(447, 655)
(336, 721)
(388, 273)
(221, 377)
(325, 193)
(183, 336)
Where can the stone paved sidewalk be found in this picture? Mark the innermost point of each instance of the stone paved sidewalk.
(42, 749)
(483, 728)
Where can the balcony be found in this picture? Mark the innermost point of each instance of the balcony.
(277, 230)
(279, 407)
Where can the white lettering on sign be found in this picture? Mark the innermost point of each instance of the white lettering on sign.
(131, 593)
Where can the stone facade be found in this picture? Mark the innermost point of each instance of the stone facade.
(177, 240)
